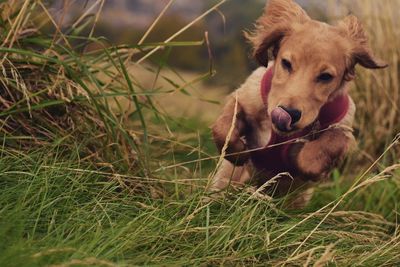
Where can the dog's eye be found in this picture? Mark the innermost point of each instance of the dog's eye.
(325, 77)
(286, 65)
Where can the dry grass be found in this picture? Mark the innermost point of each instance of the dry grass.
(377, 93)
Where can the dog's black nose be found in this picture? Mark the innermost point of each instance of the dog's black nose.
(295, 114)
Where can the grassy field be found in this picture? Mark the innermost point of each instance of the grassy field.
(99, 167)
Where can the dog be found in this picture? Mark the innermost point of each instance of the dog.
(293, 116)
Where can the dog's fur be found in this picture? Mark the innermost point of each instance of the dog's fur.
(313, 48)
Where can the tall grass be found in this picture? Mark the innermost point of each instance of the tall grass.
(93, 172)
(53, 92)
(55, 212)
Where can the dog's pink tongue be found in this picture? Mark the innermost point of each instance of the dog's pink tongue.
(281, 119)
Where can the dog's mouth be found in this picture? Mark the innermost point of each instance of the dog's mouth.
(283, 120)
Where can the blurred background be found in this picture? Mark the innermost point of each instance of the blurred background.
(126, 21)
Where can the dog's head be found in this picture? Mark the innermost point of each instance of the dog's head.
(313, 61)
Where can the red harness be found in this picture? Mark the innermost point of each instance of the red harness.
(274, 158)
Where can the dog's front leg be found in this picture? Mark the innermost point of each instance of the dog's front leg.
(222, 127)
(317, 158)
(233, 168)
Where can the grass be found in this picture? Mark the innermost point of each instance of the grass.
(55, 211)
(94, 173)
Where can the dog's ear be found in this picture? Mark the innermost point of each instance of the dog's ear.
(276, 22)
(361, 52)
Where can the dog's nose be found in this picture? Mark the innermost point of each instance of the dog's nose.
(295, 114)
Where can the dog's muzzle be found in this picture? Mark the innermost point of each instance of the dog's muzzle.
(285, 118)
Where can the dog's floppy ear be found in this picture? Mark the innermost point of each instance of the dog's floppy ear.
(276, 22)
(361, 52)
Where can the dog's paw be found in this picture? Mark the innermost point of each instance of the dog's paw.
(236, 154)
(314, 163)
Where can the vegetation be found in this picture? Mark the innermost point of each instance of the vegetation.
(94, 172)
(230, 50)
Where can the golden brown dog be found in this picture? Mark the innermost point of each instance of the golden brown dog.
(301, 99)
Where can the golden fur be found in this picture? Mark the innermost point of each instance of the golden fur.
(312, 48)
